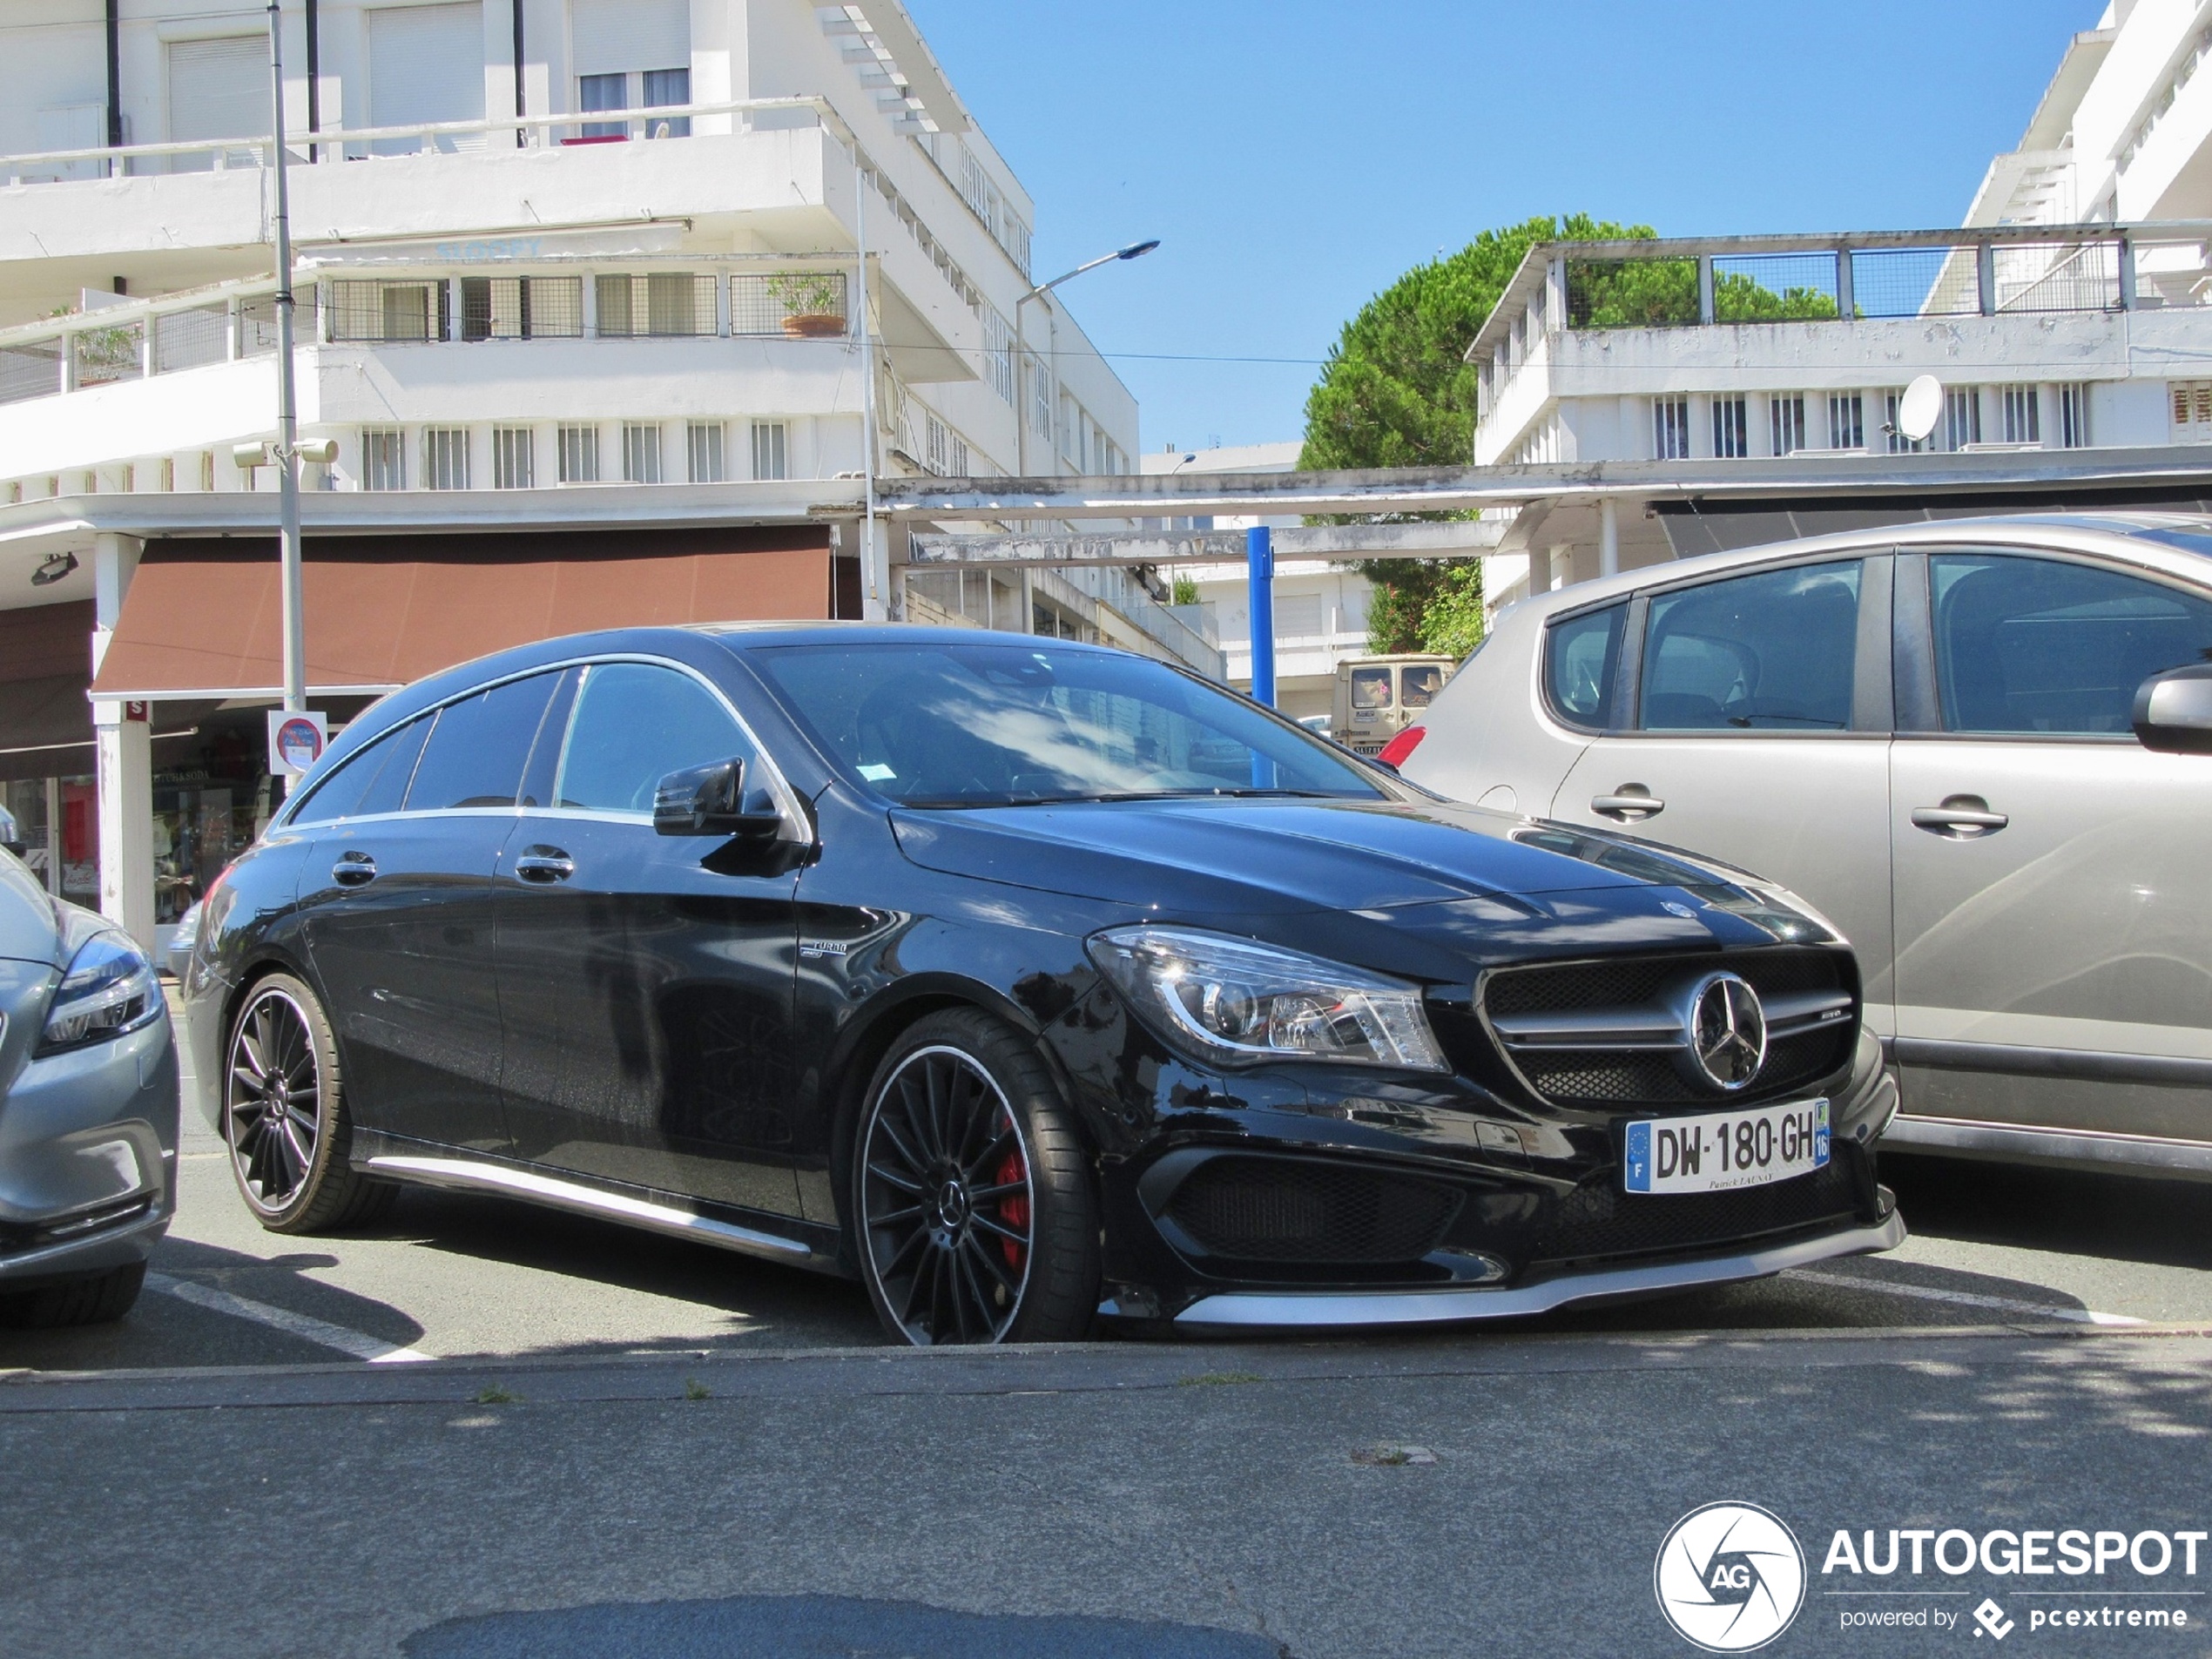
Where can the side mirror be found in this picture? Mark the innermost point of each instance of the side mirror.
(2174, 711)
(711, 801)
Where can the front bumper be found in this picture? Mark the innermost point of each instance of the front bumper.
(1277, 1309)
(88, 1147)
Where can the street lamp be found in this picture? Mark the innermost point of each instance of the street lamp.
(1134, 250)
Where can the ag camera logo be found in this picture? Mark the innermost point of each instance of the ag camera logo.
(1730, 1577)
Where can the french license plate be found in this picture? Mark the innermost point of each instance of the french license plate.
(1720, 1151)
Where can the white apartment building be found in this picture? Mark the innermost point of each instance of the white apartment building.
(611, 307)
(1320, 608)
(2069, 313)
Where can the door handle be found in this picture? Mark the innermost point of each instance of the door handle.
(353, 870)
(544, 864)
(1961, 818)
(1631, 804)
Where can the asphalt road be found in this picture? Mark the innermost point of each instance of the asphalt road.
(575, 1439)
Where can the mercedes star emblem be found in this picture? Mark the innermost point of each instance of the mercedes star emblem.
(1726, 1032)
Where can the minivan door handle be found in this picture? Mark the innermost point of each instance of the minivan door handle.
(353, 870)
(1961, 818)
(1631, 804)
(544, 864)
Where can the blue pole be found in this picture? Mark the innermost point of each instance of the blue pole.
(1259, 563)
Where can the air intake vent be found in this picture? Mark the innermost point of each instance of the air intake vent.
(1278, 1209)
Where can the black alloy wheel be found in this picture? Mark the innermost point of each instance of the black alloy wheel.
(284, 1116)
(974, 1208)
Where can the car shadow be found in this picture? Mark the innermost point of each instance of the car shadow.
(2115, 1217)
(775, 1626)
(489, 1228)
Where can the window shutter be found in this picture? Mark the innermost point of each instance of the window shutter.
(425, 64)
(611, 36)
(219, 89)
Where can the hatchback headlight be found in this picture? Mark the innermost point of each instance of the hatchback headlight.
(108, 989)
(1235, 1003)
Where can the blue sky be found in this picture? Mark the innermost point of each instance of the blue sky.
(1296, 155)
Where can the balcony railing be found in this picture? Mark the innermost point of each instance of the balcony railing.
(2017, 270)
(137, 340)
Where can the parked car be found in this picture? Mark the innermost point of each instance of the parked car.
(1378, 697)
(88, 1110)
(1975, 744)
(1029, 981)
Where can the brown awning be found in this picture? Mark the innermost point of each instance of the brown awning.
(202, 616)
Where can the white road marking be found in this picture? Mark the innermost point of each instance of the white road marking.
(376, 1351)
(1963, 1298)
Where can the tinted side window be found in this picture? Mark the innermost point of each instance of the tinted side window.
(1421, 682)
(479, 746)
(2041, 645)
(634, 723)
(402, 750)
(338, 795)
(1772, 651)
(1581, 656)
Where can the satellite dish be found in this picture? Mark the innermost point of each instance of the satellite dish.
(1920, 408)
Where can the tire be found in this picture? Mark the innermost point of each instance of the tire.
(285, 1118)
(98, 1299)
(975, 1214)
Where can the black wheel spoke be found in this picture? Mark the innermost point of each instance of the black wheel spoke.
(913, 1211)
(986, 1195)
(1004, 1142)
(893, 1177)
(999, 1231)
(982, 1253)
(274, 1092)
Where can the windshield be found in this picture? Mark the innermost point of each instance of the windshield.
(993, 724)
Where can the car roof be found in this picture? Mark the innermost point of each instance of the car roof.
(2176, 543)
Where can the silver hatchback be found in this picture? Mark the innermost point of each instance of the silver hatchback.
(1977, 745)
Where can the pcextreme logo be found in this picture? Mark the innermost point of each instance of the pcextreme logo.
(1730, 1577)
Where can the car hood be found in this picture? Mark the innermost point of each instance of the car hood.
(1258, 856)
(28, 930)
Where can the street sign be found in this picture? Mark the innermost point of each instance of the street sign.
(297, 738)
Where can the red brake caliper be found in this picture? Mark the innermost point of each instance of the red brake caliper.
(1014, 1209)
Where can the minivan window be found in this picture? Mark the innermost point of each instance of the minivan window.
(2044, 645)
(635, 724)
(1421, 681)
(478, 747)
(1773, 651)
(1370, 688)
(1581, 655)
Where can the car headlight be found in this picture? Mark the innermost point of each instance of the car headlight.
(110, 988)
(1236, 1002)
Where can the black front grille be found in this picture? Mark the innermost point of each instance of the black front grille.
(17, 1237)
(1588, 1076)
(1281, 1210)
(1597, 1220)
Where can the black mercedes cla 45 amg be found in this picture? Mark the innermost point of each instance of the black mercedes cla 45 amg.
(1033, 984)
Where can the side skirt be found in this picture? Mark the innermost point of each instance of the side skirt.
(654, 1212)
(2072, 1148)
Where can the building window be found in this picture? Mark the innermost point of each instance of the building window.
(1898, 443)
(1040, 401)
(1961, 417)
(998, 354)
(445, 457)
(513, 457)
(1670, 428)
(646, 91)
(2192, 402)
(665, 303)
(1786, 423)
(703, 440)
(522, 307)
(1731, 431)
(2023, 414)
(641, 454)
(383, 460)
(770, 439)
(388, 313)
(579, 455)
(1846, 421)
(2074, 417)
(944, 451)
(208, 471)
(1298, 616)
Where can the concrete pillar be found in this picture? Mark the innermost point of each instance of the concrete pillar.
(1608, 538)
(1540, 570)
(54, 836)
(124, 758)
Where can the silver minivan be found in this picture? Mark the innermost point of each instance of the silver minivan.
(1979, 746)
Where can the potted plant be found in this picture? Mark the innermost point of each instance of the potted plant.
(813, 303)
